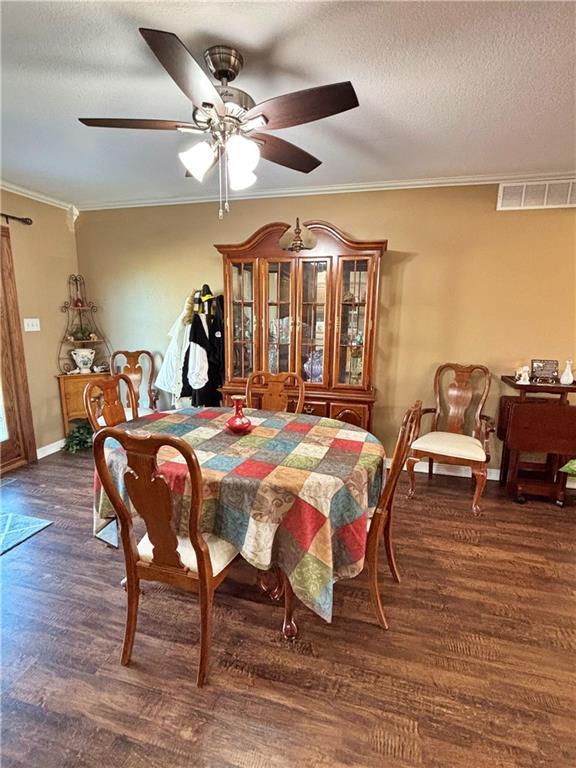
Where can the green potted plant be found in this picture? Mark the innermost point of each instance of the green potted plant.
(569, 468)
(79, 438)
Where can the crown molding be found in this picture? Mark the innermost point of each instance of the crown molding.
(8, 187)
(336, 189)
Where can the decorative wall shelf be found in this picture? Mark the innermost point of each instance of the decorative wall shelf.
(82, 330)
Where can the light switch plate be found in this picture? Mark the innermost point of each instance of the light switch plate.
(31, 323)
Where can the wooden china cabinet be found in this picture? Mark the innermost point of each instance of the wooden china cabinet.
(313, 312)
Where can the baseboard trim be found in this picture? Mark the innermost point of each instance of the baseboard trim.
(47, 450)
(455, 471)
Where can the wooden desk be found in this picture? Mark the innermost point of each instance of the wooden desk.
(529, 395)
(71, 390)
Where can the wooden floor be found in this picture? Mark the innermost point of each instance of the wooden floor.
(476, 670)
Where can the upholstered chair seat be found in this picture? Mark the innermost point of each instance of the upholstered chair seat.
(221, 552)
(451, 444)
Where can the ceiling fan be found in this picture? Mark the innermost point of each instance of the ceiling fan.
(229, 117)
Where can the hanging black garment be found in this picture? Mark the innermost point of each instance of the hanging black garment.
(199, 336)
(210, 394)
(213, 345)
(216, 371)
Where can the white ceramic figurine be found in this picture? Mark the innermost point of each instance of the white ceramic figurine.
(567, 375)
(524, 375)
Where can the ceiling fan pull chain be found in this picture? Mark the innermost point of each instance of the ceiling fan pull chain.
(220, 211)
(226, 182)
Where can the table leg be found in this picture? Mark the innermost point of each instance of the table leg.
(504, 464)
(275, 591)
(289, 628)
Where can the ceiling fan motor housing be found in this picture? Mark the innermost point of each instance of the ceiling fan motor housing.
(223, 62)
(237, 103)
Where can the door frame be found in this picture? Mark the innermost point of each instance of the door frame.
(12, 315)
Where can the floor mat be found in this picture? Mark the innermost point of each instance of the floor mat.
(14, 529)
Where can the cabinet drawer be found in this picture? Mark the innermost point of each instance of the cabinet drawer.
(312, 408)
(352, 413)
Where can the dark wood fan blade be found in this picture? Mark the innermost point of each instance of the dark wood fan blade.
(153, 125)
(183, 68)
(305, 106)
(283, 153)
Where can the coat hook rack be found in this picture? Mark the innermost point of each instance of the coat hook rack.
(22, 219)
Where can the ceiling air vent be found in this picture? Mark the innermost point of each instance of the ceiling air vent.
(537, 194)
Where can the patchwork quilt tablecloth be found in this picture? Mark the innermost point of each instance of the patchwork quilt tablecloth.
(295, 492)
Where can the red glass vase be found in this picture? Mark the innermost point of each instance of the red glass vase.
(238, 422)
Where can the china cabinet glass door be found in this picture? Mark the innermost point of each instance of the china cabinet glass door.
(312, 362)
(243, 314)
(278, 342)
(351, 321)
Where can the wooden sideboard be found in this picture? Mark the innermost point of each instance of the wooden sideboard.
(313, 312)
(71, 391)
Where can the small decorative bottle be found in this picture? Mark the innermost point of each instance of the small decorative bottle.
(567, 375)
(238, 422)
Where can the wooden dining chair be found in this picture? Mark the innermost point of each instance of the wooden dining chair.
(133, 369)
(449, 440)
(274, 392)
(380, 524)
(379, 527)
(196, 563)
(103, 403)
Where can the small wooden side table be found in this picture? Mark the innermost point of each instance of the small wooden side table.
(548, 428)
(529, 394)
(71, 396)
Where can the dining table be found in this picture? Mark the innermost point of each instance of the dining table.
(295, 493)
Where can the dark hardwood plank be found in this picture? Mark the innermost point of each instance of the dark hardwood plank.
(477, 668)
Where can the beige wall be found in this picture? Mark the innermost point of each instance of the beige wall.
(460, 282)
(44, 255)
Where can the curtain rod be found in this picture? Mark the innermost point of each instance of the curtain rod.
(8, 216)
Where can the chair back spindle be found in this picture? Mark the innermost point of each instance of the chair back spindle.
(274, 390)
(102, 399)
(151, 497)
(135, 372)
(453, 404)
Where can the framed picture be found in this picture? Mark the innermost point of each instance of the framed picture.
(544, 371)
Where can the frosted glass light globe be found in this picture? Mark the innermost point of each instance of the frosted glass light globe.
(198, 159)
(243, 154)
(241, 180)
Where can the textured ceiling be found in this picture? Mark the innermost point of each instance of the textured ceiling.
(446, 90)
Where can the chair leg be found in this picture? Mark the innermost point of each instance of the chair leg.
(133, 593)
(289, 627)
(206, 595)
(372, 563)
(430, 467)
(390, 550)
(480, 475)
(411, 476)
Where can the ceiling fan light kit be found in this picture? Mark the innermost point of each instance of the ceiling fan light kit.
(230, 117)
